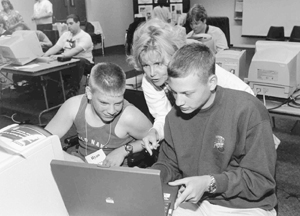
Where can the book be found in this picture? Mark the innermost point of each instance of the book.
(17, 138)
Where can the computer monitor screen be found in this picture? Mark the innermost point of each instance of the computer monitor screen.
(274, 69)
(21, 47)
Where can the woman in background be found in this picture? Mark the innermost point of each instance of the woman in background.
(11, 17)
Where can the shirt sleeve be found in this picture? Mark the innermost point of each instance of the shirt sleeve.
(158, 105)
(167, 159)
(220, 39)
(85, 41)
(251, 176)
(229, 80)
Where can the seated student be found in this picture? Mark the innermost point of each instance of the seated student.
(103, 119)
(43, 39)
(154, 44)
(226, 135)
(22, 80)
(2, 27)
(196, 17)
(75, 43)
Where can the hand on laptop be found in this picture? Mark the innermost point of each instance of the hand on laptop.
(192, 189)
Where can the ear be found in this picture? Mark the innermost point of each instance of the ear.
(212, 82)
(88, 92)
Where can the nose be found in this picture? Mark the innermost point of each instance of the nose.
(179, 100)
(152, 71)
(111, 110)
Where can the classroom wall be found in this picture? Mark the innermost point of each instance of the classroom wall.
(226, 8)
(113, 15)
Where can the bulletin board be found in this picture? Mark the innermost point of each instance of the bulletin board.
(146, 6)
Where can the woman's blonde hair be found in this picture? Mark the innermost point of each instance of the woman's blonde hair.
(156, 36)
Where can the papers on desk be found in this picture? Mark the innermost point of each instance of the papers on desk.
(27, 66)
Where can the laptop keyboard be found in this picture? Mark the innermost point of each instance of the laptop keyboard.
(167, 201)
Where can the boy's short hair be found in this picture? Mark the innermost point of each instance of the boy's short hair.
(196, 13)
(107, 77)
(155, 36)
(192, 58)
(74, 17)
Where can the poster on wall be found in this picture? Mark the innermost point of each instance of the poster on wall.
(176, 8)
(145, 11)
(144, 1)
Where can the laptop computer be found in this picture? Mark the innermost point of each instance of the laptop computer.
(89, 189)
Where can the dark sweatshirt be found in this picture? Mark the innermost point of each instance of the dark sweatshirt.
(231, 140)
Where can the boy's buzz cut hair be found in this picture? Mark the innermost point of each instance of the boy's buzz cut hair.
(107, 77)
(192, 58)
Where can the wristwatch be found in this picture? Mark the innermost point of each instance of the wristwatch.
(129, 148)
(212, 186)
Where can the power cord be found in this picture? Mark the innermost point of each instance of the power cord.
(12, 117)
(293, 195)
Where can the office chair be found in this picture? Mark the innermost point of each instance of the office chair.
(223, 24)
(140, 159)
(130, 32)
(276, 33)
(95, 31)
(295, 34)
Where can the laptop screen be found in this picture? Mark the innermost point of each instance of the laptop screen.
(88, 189)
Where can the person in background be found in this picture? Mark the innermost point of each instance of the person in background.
(9, 15)
(43, 39)
(225, 134)
(197, 17)
(42, 14)
(164, 13)
(104, 120)
(154, 44)
(75, 43)
(2, 27)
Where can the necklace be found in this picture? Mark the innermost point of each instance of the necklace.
(101, 145)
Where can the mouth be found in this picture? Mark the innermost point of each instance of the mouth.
(183, 109)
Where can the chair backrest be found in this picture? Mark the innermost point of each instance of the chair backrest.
(130, 32)
(276, 33)
(223, 24)
(220, 22)
(137, 98)
(295, 34)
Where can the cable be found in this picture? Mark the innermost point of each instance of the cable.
(293, 195)
(12, 118)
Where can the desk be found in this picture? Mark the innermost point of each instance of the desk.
(42, 69)
(285, 111)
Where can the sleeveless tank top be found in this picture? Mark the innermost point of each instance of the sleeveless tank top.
(91, 139)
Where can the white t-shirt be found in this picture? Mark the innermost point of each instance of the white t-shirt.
(82, 39)
(40, 8)
(218, 37)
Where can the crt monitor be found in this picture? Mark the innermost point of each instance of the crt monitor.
(275, 69)
(27, 184)
(21, 47)
(233, 61)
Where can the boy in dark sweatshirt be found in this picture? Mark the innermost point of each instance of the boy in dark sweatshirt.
(219, 145)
